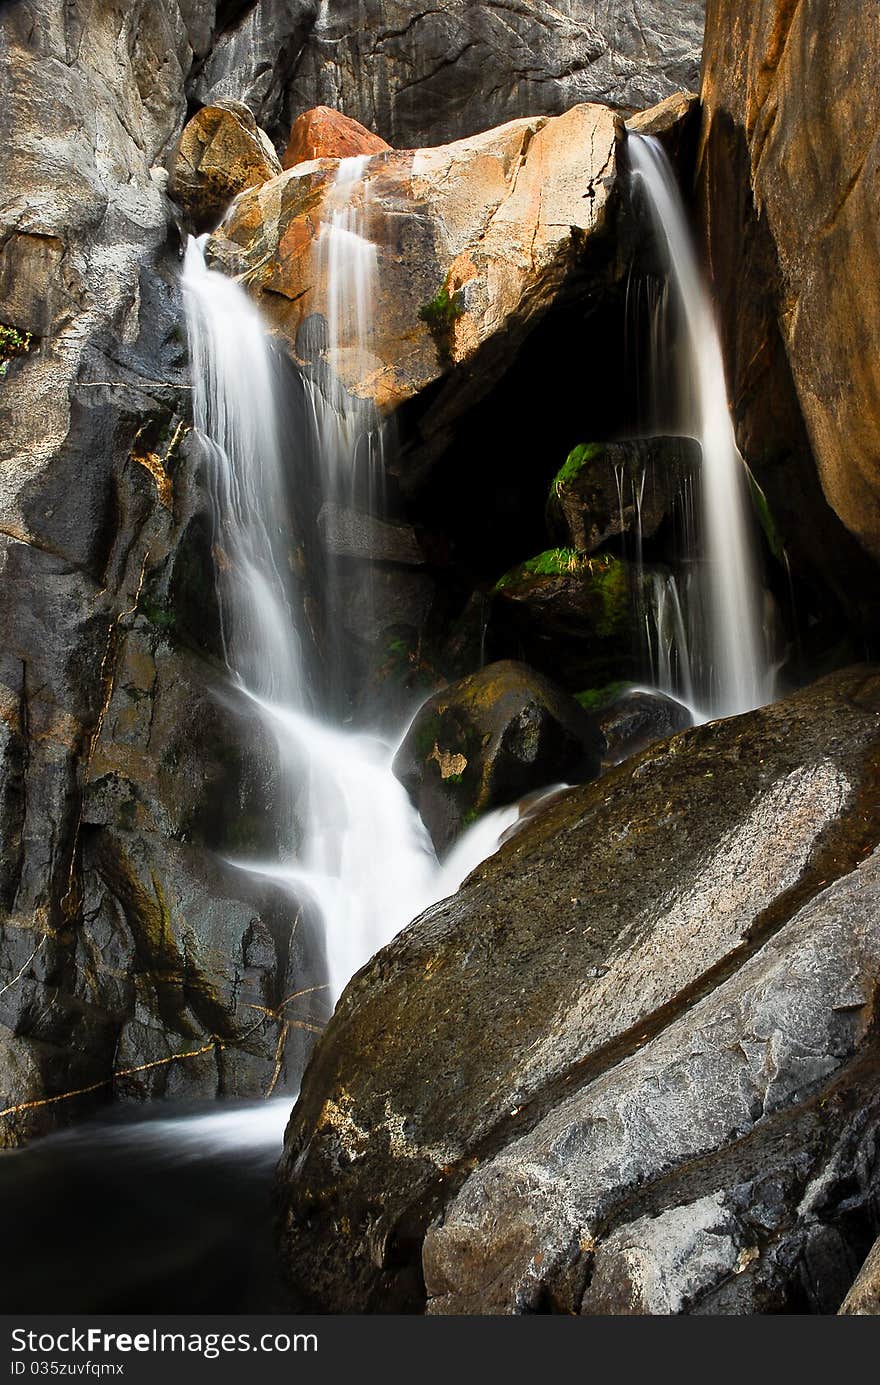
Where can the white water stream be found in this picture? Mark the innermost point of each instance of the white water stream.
(364, 860)
(737, 670)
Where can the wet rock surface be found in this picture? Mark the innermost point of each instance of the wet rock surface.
(635, 720)
(634, 1058)
(605, 490)
(489, 740)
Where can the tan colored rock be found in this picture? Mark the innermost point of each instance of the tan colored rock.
(476, 240)
(789, 170)
(221, 152)
(863, 1299)
(662, 117)
(323, 133)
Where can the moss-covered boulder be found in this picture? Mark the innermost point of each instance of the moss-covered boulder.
(605, 489)
(487, 741)
(573, 617)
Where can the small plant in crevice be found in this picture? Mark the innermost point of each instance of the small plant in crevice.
(441, 314)
(13, 344)
(159, 614)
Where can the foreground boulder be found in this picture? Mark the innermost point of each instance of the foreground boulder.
(221, 152)
(488, 741)
(641, 1034)
(475, 241)
(863, 1299)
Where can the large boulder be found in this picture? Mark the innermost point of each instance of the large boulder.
(221, 152)
(788, 191)
(475, 241)
(489, 740)
(421, 74)
(322, 133)
(645, 1023)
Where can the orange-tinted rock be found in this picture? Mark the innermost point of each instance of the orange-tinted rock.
(475, 241)
(221, 152)
(323, 133)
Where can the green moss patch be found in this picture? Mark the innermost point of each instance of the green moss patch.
(596, 699)
(556, 562)
(577, 459)
(765, 518)
(441, 314)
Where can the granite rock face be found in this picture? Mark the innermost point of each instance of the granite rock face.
(100, 505)
(788, 191)
(632, 1066)
(251, 55)
(421, 75)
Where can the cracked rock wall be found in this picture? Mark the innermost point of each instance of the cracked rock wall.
(423, 75)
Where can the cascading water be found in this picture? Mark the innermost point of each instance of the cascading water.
(234, 413)
(364, 860)
(348, 433)
(736, 673)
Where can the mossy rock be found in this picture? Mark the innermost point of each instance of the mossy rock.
(605, 489)
(487, 741)
(574, 617)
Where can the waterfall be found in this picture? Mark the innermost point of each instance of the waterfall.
(348, 437)
(235, 416)
(736, 673)
(364, 861)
